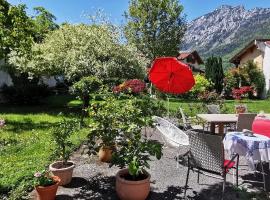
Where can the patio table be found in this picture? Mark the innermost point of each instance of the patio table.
(254, 148)
(218, 119)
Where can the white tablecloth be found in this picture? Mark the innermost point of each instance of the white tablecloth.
(254, 148)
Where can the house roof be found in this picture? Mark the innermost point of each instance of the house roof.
(184, 54)
(195, 68)
(236, 58)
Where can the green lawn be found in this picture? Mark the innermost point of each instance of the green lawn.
(26, 144)
(253, 105)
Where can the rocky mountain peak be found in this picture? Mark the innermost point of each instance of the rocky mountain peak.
(214, 32)
(223, 7)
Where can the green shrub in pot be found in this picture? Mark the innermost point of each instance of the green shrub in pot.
(104, 127)
(61, 135)
(134, 151)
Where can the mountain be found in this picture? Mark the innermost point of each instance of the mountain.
(226, 30)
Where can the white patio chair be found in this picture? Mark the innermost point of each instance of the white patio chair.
(172, 136)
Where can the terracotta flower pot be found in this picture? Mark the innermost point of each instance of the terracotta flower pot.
(63, 172)
(48, 192)
(240, 109)
(105, 154)
(132, 190)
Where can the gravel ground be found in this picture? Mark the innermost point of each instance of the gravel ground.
(96, 181)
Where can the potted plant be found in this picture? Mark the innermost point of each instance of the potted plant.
(134, 152)
(61, 135)
(104, 127)
(46, 185)
(238, 94)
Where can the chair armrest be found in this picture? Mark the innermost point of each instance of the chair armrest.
(235, 156)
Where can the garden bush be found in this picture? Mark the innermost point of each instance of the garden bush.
(201, 85)
(209, 97)
(86, 86)
(251, 75)
(247, 75)
(25, 91)
(25, 94)
(231, 80)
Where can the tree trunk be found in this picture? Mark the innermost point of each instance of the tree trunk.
(86, 100)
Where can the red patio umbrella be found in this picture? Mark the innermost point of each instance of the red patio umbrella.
(171, 76)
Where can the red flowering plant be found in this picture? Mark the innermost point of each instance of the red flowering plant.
(133, 86)
(238, 94)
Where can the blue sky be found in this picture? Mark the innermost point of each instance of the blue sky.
(74, 11)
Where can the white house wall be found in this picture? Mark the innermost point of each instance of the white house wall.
(265, 48)
(266, 66)
(5, 79)
(50, 81)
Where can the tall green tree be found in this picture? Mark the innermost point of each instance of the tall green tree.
(17, 29)
(156, 27)
(214, 72)
(44, 23)
(76, 51)
(18, 33)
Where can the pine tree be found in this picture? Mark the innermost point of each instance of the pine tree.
(214, 72)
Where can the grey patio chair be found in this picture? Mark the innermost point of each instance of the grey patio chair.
(245, 121)
(206, 156)
(187, 124)
(213, 109)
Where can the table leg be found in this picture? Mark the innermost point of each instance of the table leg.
(221, 128)
(212, 127)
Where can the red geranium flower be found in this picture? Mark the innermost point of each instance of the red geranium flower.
(134, 86)
(238, 93)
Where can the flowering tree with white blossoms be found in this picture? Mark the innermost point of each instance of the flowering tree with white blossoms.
(76, 51)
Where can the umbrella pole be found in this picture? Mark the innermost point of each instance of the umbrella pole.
(168, 106)
(150, 89)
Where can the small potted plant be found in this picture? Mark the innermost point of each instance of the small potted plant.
(134, 152)
(238, 94)
(61, 135)
(46, 185)
(104, 127)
